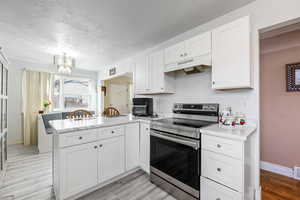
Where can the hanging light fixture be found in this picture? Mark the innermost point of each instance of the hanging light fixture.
(64, 63)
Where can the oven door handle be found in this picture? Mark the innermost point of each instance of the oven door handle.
(179, 140)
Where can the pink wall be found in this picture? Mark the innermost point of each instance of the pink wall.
(280, 110)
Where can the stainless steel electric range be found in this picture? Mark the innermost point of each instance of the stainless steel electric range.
(175, 149)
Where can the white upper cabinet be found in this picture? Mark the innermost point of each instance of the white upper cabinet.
(174, 53)
(231, 67)
(141, 75)
(191, 52)
(150, 77)
(159, 81)
(199, 46)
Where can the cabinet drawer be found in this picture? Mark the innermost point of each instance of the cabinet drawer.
(111, 132)
(224, 146)
(79, 137)
(222, 169)
(211, 190)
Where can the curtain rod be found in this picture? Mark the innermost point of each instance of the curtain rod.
(2, 54)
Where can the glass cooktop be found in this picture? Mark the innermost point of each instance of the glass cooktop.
(184, 122)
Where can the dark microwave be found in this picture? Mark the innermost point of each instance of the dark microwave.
(142, 107)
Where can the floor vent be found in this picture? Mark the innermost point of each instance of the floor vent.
(297, 173)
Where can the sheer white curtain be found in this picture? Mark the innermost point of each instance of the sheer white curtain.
(36, 89)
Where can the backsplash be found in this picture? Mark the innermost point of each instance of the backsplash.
(196, 88)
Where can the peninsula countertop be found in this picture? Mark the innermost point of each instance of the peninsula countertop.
(69, 125)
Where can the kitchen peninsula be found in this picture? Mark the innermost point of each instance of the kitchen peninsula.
(91, 153)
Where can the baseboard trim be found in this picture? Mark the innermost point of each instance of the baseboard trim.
(14, 142)
(278, 169)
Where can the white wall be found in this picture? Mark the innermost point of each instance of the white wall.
(14, 105)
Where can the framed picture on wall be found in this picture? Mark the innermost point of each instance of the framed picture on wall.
(293, 77)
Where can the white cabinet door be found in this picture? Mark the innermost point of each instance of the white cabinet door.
(145, 147)
(132, 145)
(199, 45)
(79, 168)
(141, 75)
(156, 69)
(111, 160)
(231, 55)
(174, 53)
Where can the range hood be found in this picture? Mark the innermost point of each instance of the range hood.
(191, 65)
(195, 69)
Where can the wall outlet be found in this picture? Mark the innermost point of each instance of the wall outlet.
(297, 173)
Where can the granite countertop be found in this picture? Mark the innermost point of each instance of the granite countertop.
(236, 133)
(69, 125)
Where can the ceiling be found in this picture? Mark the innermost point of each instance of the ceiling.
(98, 32)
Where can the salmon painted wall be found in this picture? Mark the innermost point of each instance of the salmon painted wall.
(280, 110)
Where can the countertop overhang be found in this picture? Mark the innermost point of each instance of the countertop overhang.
(70, 125)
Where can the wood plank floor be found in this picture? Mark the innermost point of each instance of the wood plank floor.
(29, 177)
(277, 187)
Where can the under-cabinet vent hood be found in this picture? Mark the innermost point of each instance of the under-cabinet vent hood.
(193, 70)
(190, 65)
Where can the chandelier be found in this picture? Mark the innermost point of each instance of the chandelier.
(64, 63)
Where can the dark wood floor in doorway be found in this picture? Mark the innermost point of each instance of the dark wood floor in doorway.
(277, 187)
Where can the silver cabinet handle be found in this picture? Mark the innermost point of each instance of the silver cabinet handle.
(112, 132)
(185, 62)
(95, 147)
(219, 146)
(100, 145)
(80, 138)
(219, 169)
(176, 139)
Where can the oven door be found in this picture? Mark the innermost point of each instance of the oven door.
(177, 160)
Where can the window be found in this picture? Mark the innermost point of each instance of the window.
(70, 93)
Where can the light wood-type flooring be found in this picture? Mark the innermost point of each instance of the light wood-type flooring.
(29, 177)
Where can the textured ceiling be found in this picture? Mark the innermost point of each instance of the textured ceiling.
(98, 32)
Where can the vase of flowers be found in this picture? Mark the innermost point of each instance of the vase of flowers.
(46, 106)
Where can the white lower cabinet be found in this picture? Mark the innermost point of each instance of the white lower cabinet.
(111, 158)
(145, 146)
(83, 160)
(210, 190)
(223, 169)
(132, 143)
(227, 168)
(79, 168)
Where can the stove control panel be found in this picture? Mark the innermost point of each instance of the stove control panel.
(196, 108)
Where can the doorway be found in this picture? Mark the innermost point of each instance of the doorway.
(119, 93)
(280, 108)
